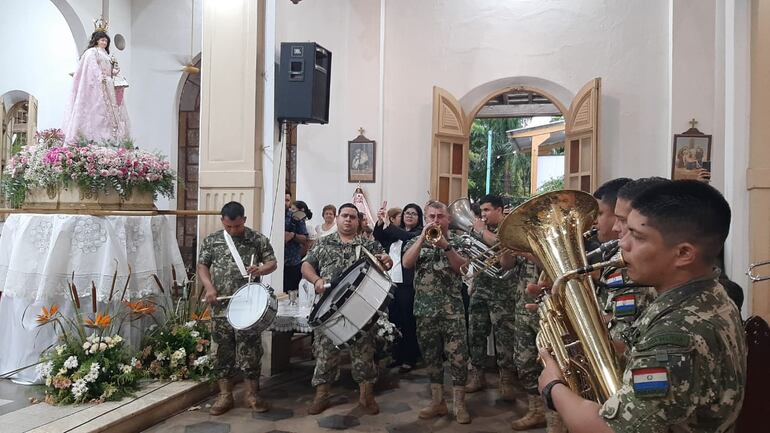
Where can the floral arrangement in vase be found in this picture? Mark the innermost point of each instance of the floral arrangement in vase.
(51, 165)
(92, 362)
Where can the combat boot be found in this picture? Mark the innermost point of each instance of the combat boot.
(252, 398)
(437, 405)
(476, 381)
(321, 400)
(224, 400)
(554, 423)
(458, 401)
(506, 385)
(366, 399)
(535, 416)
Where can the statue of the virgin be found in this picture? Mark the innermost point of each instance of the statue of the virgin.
(95, 111)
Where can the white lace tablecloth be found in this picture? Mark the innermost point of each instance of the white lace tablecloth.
(39, 253)
(292, 318)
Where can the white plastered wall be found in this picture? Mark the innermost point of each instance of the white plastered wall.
(661, 64)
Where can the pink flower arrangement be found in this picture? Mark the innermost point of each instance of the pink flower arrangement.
(50, 164)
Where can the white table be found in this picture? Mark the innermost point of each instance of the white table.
(39, 253)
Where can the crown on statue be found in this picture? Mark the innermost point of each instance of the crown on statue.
(101, 25)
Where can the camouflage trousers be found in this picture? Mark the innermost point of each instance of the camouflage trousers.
(328, 359)
(527, 366)
(441, 338)
(235, 350)
(486, 316)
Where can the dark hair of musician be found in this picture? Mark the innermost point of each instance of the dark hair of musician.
(492, 199)
(608, 192)
(419, 216)
(687, 211)
(288, 192)
(329, 207)
(633, 189)
(233, 210)
(347, 205)
(301, 205)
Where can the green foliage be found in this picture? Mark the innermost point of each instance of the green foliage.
(552, 184)
(510, 170)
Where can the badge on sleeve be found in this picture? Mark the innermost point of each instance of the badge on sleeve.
(614, 279)
(625, 305)
(650, 382)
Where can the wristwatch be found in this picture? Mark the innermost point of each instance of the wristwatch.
(547, 392)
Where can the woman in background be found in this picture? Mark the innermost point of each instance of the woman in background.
(329, 226)
(393, 233)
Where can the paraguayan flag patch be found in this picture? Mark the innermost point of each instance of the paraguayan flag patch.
(615, 279)
(650, 382)
(625, 305)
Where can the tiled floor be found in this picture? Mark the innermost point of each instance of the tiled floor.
(400, 399)
(14, 397)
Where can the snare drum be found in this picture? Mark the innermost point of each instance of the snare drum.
(353, 304)
(252, 307)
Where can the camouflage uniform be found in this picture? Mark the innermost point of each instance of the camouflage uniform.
(527, 325)
(687, 365)
(490, 310)
(624, 302)
(233, 349)
(438, 307)
(330, 257)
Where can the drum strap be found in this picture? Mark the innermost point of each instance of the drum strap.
(235, 254)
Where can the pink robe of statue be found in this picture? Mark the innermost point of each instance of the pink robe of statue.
(93, 112)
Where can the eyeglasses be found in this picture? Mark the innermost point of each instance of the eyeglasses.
(411, 213)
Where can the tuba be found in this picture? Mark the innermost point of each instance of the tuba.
(482, 257)
(753, 276)
(551, 227)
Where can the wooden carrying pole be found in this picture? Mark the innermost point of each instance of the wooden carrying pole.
(108, 212)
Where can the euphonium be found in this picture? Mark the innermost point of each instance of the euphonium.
(481, 257)
(551, 227)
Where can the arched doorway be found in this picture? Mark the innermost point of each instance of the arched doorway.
(187, 166)
(452, 120)
(516, 147)
(18, 125)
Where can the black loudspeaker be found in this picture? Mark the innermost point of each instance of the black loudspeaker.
(304, 80)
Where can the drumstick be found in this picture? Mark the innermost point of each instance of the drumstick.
(250, 265)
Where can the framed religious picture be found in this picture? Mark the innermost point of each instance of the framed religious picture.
(692, 155)
(361, 160)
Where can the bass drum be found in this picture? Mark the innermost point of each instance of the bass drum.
(252, 307)
(353, 304)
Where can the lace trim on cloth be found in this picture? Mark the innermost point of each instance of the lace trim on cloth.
(38, 254)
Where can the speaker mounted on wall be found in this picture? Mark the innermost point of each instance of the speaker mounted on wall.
(304, 83)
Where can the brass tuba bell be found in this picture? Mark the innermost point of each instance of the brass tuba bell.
(551, 227)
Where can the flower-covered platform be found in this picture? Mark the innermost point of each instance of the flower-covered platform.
(52, 175)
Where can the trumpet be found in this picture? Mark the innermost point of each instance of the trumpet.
(433, 234)
(756, 277)
(600, 252)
